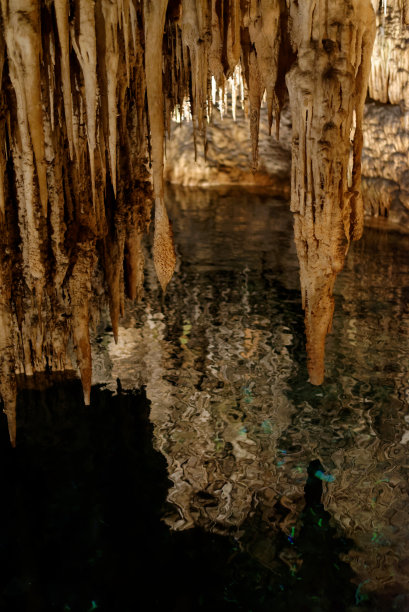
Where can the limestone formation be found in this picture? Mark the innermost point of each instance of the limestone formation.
(88, 91)
(228, 159)
(73, 94)
(327, 87)
(386, 135)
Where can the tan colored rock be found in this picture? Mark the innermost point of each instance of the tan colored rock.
(163, 250)
(75, 139)
(61, 14)
(56, 148)
(385, 182)
(386, 122)
(389, 80)
(229, 155)
(327, 88)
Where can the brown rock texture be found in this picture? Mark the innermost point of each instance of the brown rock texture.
(386, 125)
(327, 88)
(385, 172)
(228, 159)
(88, 92)
(69, 205)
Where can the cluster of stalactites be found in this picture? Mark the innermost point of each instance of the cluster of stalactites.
(88, 90)
(208, 42)
(323, 49)
(75, 190)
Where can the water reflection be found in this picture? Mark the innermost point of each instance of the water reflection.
(222, 359)
(81, 528)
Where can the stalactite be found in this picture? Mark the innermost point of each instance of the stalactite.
(110, 14)
(196, 35)
(164, 251)
(28, 204)
(61, 12)
(216, 47)
(80, 288)
(88, 89)
(23, 39)
(84, 43)
(262, 22)
(327, 85)
(2, 140)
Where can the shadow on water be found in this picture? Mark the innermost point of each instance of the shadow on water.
(82, 499)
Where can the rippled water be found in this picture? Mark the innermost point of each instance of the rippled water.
(223, 361)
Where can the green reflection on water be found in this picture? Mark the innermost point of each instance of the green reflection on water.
(223, 361)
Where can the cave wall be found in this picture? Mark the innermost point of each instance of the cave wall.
(228, 159)
(385, 187)
(386, 136)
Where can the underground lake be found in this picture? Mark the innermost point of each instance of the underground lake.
(208, 473)
(204, 305)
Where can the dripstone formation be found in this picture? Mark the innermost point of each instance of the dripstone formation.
(88, 90)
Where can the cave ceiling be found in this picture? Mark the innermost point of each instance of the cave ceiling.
(88, 91)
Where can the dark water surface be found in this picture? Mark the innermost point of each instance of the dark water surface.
(218, 478)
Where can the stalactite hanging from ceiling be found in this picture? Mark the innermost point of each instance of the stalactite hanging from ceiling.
(327, 87)
(88, 88)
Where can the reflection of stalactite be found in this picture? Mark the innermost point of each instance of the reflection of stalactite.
(237, 434)
(203, 425)
(371, 493)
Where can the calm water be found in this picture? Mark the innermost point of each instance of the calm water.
(248, 488)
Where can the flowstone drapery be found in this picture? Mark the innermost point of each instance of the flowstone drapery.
(88, 88)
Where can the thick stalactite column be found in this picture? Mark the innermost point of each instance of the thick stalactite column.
(327, 85)
(163, 248)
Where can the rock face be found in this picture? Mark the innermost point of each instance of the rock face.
(228, 159)
(88, 91)
(385, 173)
(386, 134)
